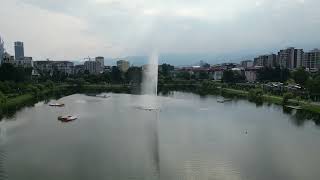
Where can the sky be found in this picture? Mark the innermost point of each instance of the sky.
(74, 29)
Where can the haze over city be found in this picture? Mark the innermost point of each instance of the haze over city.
(208, 30)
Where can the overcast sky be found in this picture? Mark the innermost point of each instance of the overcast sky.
(73, 29)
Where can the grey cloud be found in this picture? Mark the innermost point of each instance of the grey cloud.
(186, 26)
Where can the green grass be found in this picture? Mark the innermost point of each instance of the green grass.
(276, 100)
(18, 101)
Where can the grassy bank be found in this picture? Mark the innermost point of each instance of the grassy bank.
(276, 100)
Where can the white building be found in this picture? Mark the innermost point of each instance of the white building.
(100, 59)
(123, 65)
(26, 62)
(51, 66)
(246, 63)
(269, 60)
(312, 60)
(290, 58)
(93, 67)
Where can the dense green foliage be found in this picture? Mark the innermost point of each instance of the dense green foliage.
(286, 97)
(273, 74)
(17, 74)
(313, 85)
(230, 76)
(256, 95)
(300, 76)
(17, 88)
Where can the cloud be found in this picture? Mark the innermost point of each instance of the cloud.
(78, 28)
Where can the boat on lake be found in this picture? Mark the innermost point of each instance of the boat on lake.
(103, 96)
(223, 100)
(67, 118)
(56, 104)
(294, 107)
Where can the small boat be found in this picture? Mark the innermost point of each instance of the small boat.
(224, 100)
(56, 104)
(103, 96)
(294, 107)
(67, 118)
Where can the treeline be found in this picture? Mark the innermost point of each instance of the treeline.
(8, 72)
(114, 76)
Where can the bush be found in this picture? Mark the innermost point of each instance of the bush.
(286, 97)
(255, 95)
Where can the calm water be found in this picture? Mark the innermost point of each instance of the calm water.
(190, 138)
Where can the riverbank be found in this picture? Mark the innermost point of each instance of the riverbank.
(276, 100)
(217, 88)
(12, 104)
(15, 103)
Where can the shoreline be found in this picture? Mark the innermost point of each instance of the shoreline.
(16, 103)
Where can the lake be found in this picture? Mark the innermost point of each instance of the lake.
(190, 137)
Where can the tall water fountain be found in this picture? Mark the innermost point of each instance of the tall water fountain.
(149, 86)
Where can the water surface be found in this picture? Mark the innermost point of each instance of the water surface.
(191, 137)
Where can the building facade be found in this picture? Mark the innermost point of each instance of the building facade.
(123, 65)
(49, 67)
(7, 58)
(79, 69)
(93, 67)
(246, 63)
(290, 58)
(26, 62)
(1, 50)
(269, 60)
(312, 60)
(100, 59)
(19, 50)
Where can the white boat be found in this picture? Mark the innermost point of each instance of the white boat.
(67, 118)
(56, 104)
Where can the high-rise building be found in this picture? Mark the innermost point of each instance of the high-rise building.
(312, 60)
(49, 67)
(123, 65)
(19, 50)
(269, 60)
(100, 59)
(290, 58)
(246, 63)
(93, 67)
(1, 50)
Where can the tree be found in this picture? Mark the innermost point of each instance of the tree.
(273, 74)
(300, 76)
(256, 95)
(228, 76)
(116, 75)
(184, 75)
(165, 69)
(313, 85)
(203, 75)
(286, 97)
(8, 72)
(134, 75)
(3, 99)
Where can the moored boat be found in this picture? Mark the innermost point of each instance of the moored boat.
(56, 104)
(67, 118)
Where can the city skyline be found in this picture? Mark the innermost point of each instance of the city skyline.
(113, 29)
